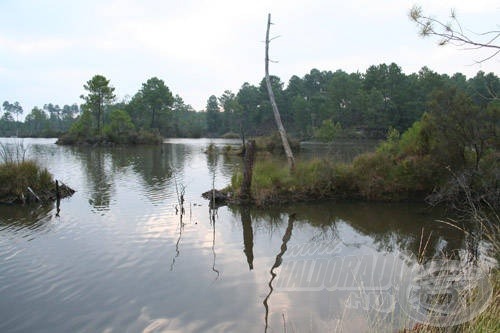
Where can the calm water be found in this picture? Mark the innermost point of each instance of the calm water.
(121, 258)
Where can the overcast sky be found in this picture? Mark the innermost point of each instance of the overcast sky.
(50, 48)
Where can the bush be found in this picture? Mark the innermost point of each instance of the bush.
(420, 162)
(273, 144)
(328, 131)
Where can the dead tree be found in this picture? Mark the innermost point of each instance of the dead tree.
(453, 33)
(277, 117)
(246, 184)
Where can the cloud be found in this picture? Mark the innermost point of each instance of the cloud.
(31, 46)
(203, 47)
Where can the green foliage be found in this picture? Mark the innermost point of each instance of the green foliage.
(368, 103)
(374, 177)
(328, 131)
(120, 126)
(143, 137)
(390, 145)
(364, 105)
(272, 181)
(120, 130)
(455, 141)
(270, 174)
(232, 110)
(100, 94)
(83, 126)
(155, 98)
(461, 131)
(14, 108)
(413, 142)
(273, 144)
(382, 177)
(16, 177)
(212, 115)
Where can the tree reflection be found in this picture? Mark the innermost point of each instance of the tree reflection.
(246, 221)
(33, 216)
(153, 164)
(277, 263)
(213, 214)
(389, 226)
(97, 166)
(177, 244)
(181, 211)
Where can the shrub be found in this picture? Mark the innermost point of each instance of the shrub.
(328, 131)
(273, 144)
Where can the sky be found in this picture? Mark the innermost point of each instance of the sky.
(50, 48)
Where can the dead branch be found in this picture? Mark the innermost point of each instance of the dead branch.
(453, 33)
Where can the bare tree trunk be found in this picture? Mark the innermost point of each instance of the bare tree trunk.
(246, 185)
(277, 117)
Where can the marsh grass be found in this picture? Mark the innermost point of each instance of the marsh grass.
(16, 177)
(487, 221)
(17, 174)
(371, 177)
(13, 153)
(272, 181)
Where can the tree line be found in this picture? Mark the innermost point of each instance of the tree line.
(49, 121)
(323, 104)
(320, 105)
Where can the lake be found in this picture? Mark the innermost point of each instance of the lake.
(119, 256)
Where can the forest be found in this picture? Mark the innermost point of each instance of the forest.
(321, 105)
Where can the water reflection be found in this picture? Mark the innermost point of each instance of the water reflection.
(213, 215)
(99, 173)
(388, 227)
(140, 264)
(180, 190)
(177, 243)
(104, 166)
(246, 221)
(32, 217)
(277, 263)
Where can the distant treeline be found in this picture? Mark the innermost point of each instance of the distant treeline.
(49, 121)
(324, 104)
(320, 105)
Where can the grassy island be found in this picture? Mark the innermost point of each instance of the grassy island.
(26, 181)
(100, 125)
(110, 138)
